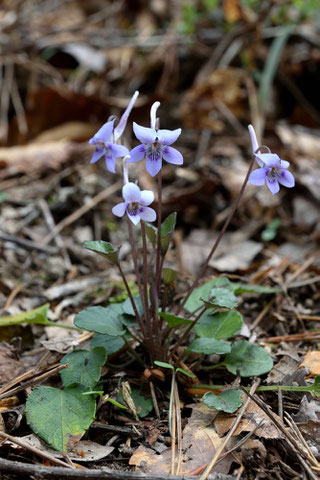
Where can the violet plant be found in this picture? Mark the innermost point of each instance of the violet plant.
(163, 328)
(148, 327)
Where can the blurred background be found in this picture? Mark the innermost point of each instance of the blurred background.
(215, 66)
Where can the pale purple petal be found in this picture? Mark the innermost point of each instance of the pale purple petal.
(258, 177)
(254, 141)
(147, 214)
(285, 178)
(284, 164)
(153, 114)
(273, 185)
(105, 133)
(137, 154)
(118, 150)
(110, 161)
(153, 165)
(99, 150)
(269, 159)
(147, 197)
(131, 193)
(120, 209)
(144, 134)
(135, 218)
(171, 155)
(167, 137)
(118, 131)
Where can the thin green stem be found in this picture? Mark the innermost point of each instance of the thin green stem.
(267, 388)
(219, 238)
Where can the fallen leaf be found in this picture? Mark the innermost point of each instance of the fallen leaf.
(312, 362)
(200, 441)
(252, 417)
(10, 367)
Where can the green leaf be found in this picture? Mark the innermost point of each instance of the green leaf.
(209, 346)
(167, 229)
(248, 358)
(115, 403)
(152, 233)
(203, 292)
(36, 316)
(105, 249)
(164, 365)
(101, 320)
(315, 387)
(220, 325)
(221, 297)
(110, 344)
(228, 401)
(127, 306)
(84, 367)
(270, 232)
(188, 374)
(59, 415)
(168, 276)
(173, 321)
(239, 288)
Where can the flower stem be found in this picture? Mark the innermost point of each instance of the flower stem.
(158, 257)
(134, 257)
(145, 281)
(219, 238)
(131, 300)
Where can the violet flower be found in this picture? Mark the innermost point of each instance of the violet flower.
(105, 139)
(135, 204)
(155, 145)
(273, 170)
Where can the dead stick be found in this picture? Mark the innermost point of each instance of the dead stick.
(34, 450)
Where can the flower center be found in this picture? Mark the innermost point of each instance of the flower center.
(133, 208)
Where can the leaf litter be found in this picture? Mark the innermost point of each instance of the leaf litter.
(50, 162)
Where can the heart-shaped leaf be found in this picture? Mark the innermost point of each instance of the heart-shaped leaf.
(110, 344)
(173, 321)
(84, 367)
(220, 325)
(104, 320)
(228, 401)
(247, 358)
(105, 249)
(209, 346)
(60, 417)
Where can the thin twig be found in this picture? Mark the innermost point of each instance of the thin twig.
(34, 450)
(81, 211)
(219, 238)
(233, 427)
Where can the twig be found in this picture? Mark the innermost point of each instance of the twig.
(81, 211)
(28, 244)
(34, 450)
(179, 427)
(233, 427)
(28, 383)
(154, 399)
(9, 466)
(51, 224)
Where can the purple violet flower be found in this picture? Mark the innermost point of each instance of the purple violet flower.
(105, 139)
(273, 170)
(135, 204)
(155, 145)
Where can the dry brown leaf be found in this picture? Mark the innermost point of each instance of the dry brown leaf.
(8, 403)
(232, 10)
(199, 443)
(252, 417)
(10, 367)
(312, 362)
